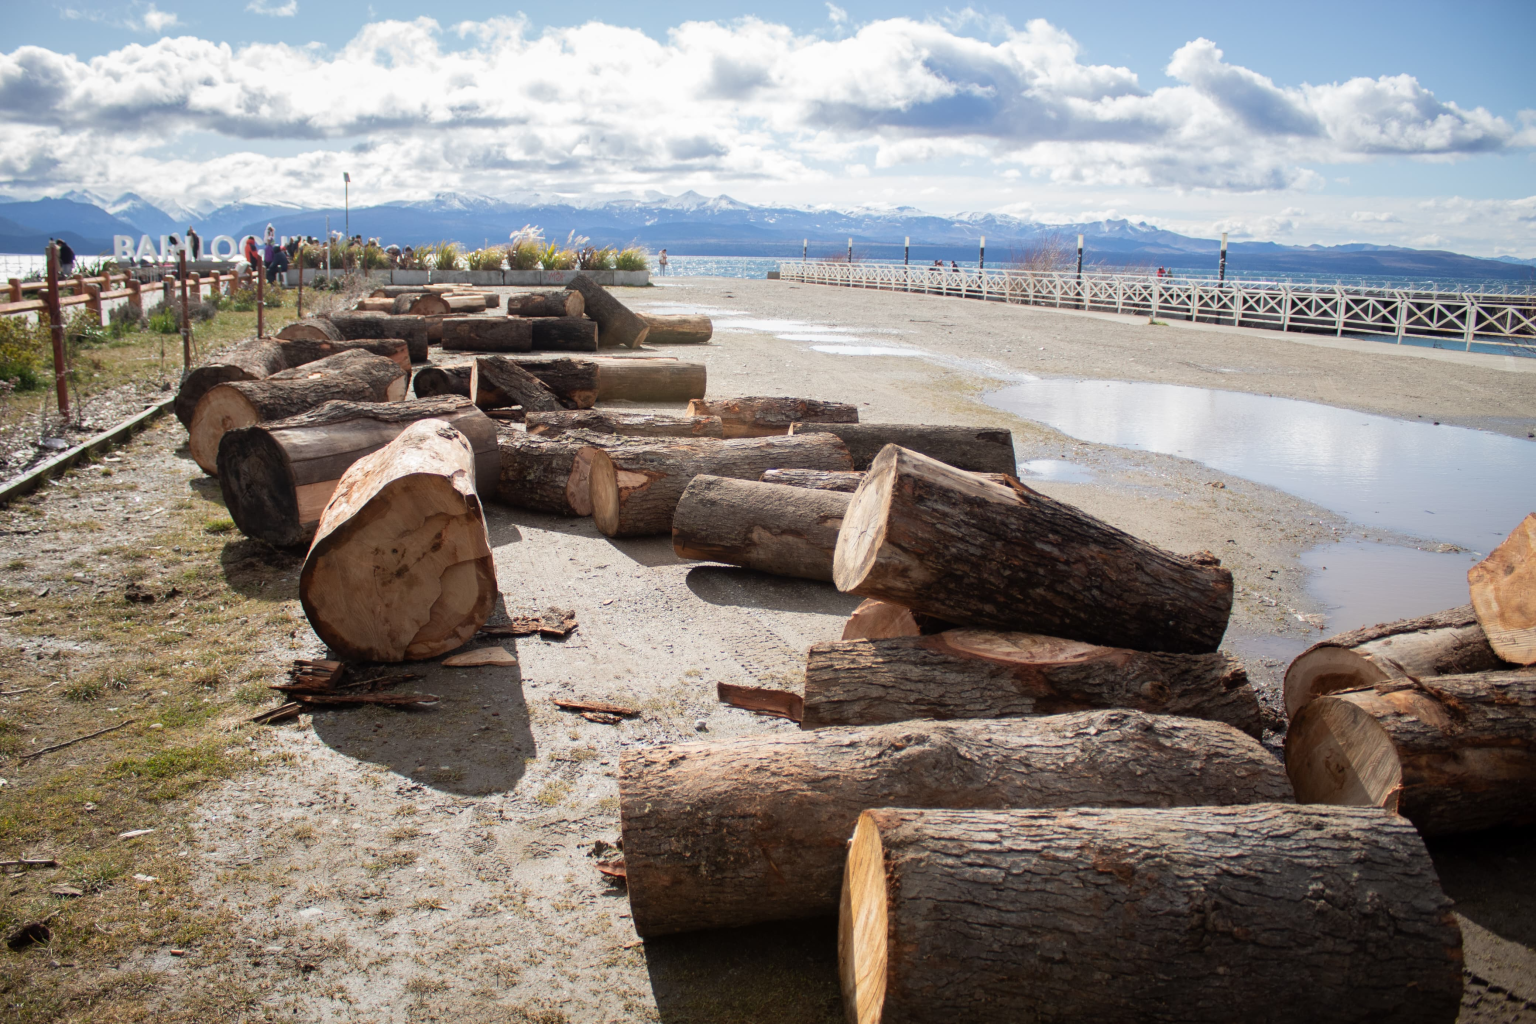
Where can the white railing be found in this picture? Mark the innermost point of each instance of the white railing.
(1504, 321)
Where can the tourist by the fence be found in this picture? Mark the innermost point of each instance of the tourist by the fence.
(276, 259)
(251, 251)
(661, 261)
(194, 243)
(66, 257)
(954, 266)
(270, 237)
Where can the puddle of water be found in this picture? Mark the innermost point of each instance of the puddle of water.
(859, 350)
(1055, 469)
(1361, 583)
(1468, 487)
(1274, 651)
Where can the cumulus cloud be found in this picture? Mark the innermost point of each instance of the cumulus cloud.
(712, 104)
(150, 18)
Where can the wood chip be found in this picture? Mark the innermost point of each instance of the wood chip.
(612, 868)
(28, 862)
(778, 703)
(368, 698)
(135, 833)
(600, 718)
(600, 706)
(65, 890)
(482, 656)
(555, 623)
(278, 713)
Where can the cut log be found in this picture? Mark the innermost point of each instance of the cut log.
(1447, 643)
(761, 417)
(379, 306)
(430, 304)
(361, 326)
(754, 828)
(501, 382)
(942, 541)
(617, 323)
(640, 424)
(300, 352)
(401, 566)
(564, 334)
(978, 449)
(277, 477)
(846, 481)
(310, 329)
(354, 376)
(465, 303)
(573, 381)
(432, 381)
(682, 329)
(787, 531)
(1199, 915)
(394, 291)
(402, 304)
(562, 303)
(486, 334)
(880, 620)
(973, 673)
(1504, 594)
(537, 472)
(1452, 754)
(635, 490)
(650, 380)
(250, 360)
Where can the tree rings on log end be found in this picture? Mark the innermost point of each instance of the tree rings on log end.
(862, 926)
(1337, 753)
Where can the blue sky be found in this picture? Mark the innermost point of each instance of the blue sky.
(1408, 123)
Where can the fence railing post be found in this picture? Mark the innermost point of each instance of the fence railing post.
(1471, 321)
(56, 331)
(16, 289)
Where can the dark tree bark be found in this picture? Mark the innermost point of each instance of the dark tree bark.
(788, 531)
(562, 303)
(503, 382)
(486, 334)
(978, 449)
(537, 472)
(564, 334)
(640, 424)
(617, 324)
(250, 360)
(762, 417)
(410, 329)
(846, 481)
(310, 329)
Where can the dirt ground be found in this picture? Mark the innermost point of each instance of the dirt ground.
(376, 865)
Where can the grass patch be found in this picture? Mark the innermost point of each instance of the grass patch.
(553, 792)
(390, 862)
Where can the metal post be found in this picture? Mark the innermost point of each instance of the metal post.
(1222, 273)
(261, 298)
(805, 245)
(186, 316)
(1471, 321)
(300, 260)
(56, 330)
(346, 193)
(1079, 257)
(981, 260)
(327, 249)
(850, 250)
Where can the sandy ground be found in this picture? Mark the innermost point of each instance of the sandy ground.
(439, 865)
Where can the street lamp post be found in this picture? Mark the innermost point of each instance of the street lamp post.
(981, 261)
(346, 199)
(1222, 273)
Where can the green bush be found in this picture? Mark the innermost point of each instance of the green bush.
(490, 258)
(526, 249)
(632, 258)
(165, 321)
(441, 256)
(370, 258)
(592, 258)
(23, 351)
(84, 330)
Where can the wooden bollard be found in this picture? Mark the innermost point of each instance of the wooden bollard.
(15, 289)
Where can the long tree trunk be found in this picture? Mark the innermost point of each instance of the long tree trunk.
(1451, 754)
(650, 380)
(310, 329)
(1447, 643)
(379, 306)
(754, 828)
(564, 334)
(640, 424)
(1195, 915)
(942, 541)
(845, 480)
(537, 472)
(978, 449)
(394, 291)
(617, 323)
(486, 334)
(350, 376)
(251, 360)
(680, 329)
(431, 304)
(636, 489)
(400, 568)
(277, 477)
(973, 673)
(561, 303)
(573, 381)
(501, 382)
(410, 329)
(299, 352)
(433, 381)
(788, 531)
(1504, 594)
(762, 417)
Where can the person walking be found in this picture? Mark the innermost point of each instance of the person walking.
(194, 244)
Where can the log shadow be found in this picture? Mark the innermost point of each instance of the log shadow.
(782, 973)
(474, 742)
(260, 571)
(748, 588)
(1492, 877)
(207, 488)
(647, 551)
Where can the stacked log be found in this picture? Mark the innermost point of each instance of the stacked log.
(635, 489)
(754, 828)
(448, 303)
(880, 620)
(639, 424)
(251, 360)
(564, 304)
(617, 324)
(978, 449)
(501, 382)
(1504, 594)
(971, 673)
(762, 417)
(410, 329)
(1451, 754)
(310, 329)
(1443, 644)
(564, 334)
(573, 382)
(844, 480)
(354, 376)
(400, 568)
(539, 472)
(277, 477)
(788, 531)
(377, 306)
(650, 380)
(486, 334)
(947, 543)
(680, 329)
(1203, 915)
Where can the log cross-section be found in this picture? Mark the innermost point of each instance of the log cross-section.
(1503, 589)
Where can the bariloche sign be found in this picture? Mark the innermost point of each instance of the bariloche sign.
(222, 247)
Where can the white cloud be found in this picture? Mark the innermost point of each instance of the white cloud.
(284, 10)
(836, 15)
(149, 18)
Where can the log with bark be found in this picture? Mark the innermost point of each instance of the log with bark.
(635, 490)
(430, 304)
(449, 304)
(410, 329)
(1196, 915)
(354, 376)
(1451, 754)
(394, 291)
(310, 329)
(400, 568)
(881, 620)
(299, 352)
(537, 471)
(432, 381)
(945, 542)
(754, 828)
(845, 480)
(277, 477)
(502, 382)
(378, 306)
(762, 417)
(1504, 594)
(640, 424)
(978, 449)
(617, 323)
(250, 360)
(650, 380)
(562, 303)
(678, 329)
(573, 381)
(787, 531)
(1446, 643)
(564, 334)
(402, 304)
(974, 673)
(486, 334)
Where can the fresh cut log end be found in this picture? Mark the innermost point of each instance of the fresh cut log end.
(400, 568)
(1204, 915)
(309, 330)
(1503, 589)
(221, 410)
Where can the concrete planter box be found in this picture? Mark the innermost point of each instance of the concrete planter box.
(561, 278)
(483, 278)
(410, 277)
(633, 278)
(522, 277)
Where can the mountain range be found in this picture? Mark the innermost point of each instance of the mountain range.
(721, 226)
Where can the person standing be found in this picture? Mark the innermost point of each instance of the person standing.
(661, 261)
(66, 258)
(194, 244)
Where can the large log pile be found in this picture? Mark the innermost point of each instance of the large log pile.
(572, 381)
(638, 424)
(789, 531)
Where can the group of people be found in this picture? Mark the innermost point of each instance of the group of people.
(939, 265)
